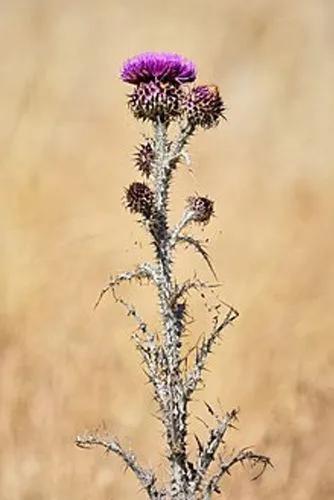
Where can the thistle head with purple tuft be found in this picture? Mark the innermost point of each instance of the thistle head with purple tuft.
(162, 92)
(160, 67)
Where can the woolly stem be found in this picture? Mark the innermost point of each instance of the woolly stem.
(175, 404)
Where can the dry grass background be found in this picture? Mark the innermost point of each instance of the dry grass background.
(66, 139)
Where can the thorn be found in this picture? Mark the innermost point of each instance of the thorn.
(203, 422)
(199, 444)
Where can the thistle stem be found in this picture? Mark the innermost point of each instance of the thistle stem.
(175, 405)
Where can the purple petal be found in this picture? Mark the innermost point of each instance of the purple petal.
(155, 66)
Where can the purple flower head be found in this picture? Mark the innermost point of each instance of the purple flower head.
(158, 66)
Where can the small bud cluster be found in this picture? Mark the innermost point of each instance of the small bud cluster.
(159, 95)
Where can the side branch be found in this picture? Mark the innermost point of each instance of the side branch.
(145, 476)
(191, 284)
(245, 455)
(207, 452)
(198, 246)
(186, 133)
(144, 271)
(194, 376)
(175, 234)
(152, 353)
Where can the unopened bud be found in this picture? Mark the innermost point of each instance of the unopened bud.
(139, 199)
(201, 208)
(144, 158)
(204, 106)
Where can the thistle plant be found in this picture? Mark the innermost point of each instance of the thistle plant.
(163, 94)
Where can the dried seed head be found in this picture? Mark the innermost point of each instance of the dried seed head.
(139, 199)
(204, 106)
(201, 208)
(156, 100)
(144, 157)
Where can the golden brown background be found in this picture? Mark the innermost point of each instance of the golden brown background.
(66, 143)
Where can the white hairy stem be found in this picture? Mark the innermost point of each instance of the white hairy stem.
(186, 218)
(175, 404)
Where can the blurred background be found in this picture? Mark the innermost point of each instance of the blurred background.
(66, 140)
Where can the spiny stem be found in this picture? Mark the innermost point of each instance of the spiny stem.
(175, 413)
